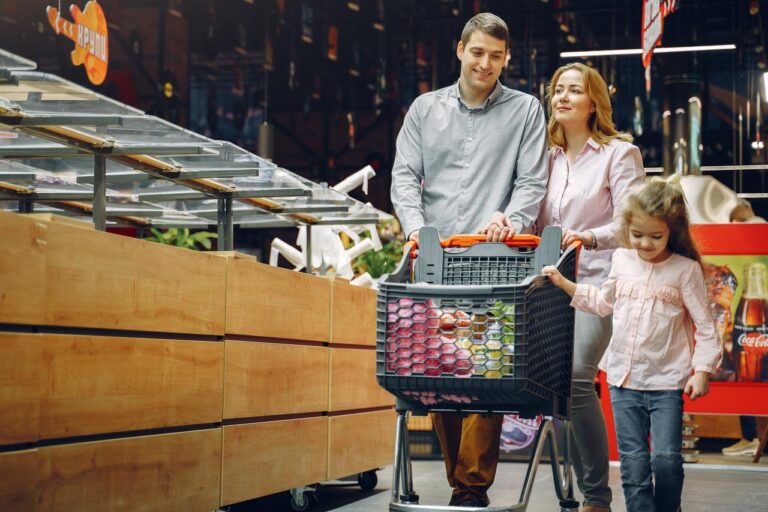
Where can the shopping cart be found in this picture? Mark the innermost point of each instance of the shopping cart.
(473, 327)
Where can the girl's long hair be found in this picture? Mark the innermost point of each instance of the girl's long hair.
(664, 200)
(600, 123)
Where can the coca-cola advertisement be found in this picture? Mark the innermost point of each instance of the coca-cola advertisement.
(738, 293)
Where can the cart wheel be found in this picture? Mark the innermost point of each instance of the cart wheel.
(300, 502)
(367, 480)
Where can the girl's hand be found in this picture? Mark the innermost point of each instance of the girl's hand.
(569, 236)
(698, 385)
(554, 275)
(559, 280)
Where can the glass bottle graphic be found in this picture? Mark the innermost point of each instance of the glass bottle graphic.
(750, 328)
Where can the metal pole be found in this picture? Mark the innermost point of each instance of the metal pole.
(100, 192)
(226, 224)
(26, 206)
(308, 266)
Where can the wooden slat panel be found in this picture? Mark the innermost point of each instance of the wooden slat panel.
(273, 456)
(360, 442)
(275, 302)
(267, 379)
(353, 380)
(19, 481)
(109, 281)
(715, 425)
(96, 385)
(20, 374)
(22, 269)
(180, 471)
(353, 314)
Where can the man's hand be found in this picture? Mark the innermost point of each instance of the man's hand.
(498, 229)
(698, 385)
(569, 236)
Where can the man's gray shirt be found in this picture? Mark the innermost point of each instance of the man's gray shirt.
(470, 162)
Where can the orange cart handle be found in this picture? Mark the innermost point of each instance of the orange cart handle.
(470, 240)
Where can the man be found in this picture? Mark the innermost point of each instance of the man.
(472, 158)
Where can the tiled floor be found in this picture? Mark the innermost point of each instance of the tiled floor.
(708, 488)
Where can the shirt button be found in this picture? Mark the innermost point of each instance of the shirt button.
(466, 165)
(469, 139)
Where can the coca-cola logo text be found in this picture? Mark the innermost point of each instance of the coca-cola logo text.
(753, 339)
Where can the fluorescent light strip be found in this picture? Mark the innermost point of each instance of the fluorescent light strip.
(638, 51)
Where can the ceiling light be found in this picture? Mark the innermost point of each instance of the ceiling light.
(638, 51)
(765, 86)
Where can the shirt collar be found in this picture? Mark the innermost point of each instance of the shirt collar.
(590, 142)
(490, 100)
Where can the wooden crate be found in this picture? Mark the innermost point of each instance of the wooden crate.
(101, 280)
(273, 456)
(95, 385)
(20, 375)
(268, 379)
(353, 380)
(353, 314)
(180, 471)
(276, 303)
(360, 442)
(19, 481)
(22, 269)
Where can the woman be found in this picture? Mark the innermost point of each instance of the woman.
(591, 168)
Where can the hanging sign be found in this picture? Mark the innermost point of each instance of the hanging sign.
(654, 12)
(89, 33)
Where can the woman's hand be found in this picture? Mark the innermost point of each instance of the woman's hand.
(698, 385)
(498, 229)
(586, 237)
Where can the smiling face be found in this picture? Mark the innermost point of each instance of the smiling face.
(482, 59)
(571, 105)
(649, 236)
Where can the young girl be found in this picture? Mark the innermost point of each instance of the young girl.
(656, 293)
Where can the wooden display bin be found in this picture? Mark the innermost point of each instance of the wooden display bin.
(360, 442)
(270, 379)
(272, 456)
(105, 281)
(102, 384)
(274, 302)
(353, 314)
(179, 471)
(20, 374)
(22, 270)
(353, 381)
(19, 481)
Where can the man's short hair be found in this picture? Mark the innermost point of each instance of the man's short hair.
(487, 23)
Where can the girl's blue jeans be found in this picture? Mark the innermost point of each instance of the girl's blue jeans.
(652, 479)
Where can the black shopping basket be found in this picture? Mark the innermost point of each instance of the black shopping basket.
(471, 327)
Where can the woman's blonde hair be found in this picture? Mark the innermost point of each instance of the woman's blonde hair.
(600, 123)
(662, 199)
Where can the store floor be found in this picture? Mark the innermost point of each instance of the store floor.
(708, 488)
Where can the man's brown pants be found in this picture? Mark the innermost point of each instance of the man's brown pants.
(470, 447)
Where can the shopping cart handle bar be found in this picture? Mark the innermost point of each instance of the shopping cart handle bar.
(470, 240)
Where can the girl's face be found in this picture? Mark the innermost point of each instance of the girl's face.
(570, 104)
(649, 236)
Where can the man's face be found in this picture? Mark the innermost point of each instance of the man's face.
(482, 59)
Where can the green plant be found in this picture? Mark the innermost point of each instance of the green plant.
(181, 237)
(378, 263)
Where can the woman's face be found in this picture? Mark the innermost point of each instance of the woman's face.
(571, 105)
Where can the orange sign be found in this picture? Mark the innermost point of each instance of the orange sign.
(89, 33)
